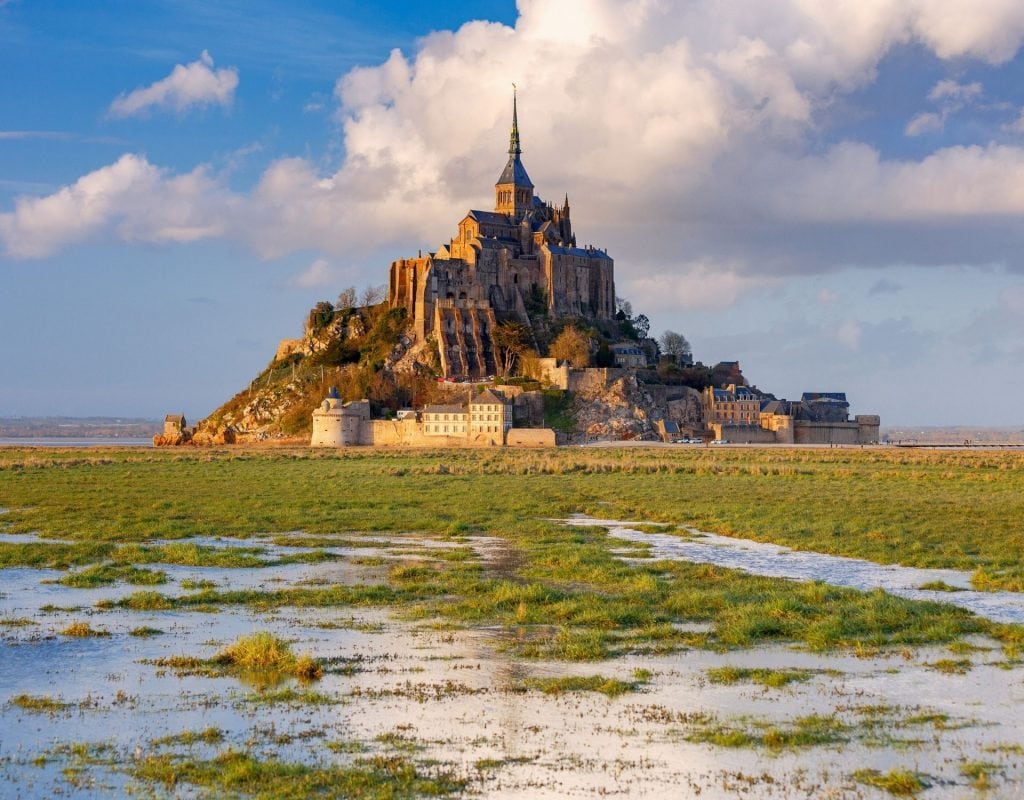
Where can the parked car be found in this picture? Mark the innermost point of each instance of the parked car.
(719, 441)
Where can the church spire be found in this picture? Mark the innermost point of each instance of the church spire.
(513, 193)
(514, 149)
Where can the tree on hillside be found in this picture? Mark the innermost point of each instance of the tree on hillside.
(675, 345)
(573, 346)
(347, 299)
(642, 326)
(373, 295)
(321, 315)
(511, 339)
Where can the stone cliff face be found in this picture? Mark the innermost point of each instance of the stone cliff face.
(627, 409)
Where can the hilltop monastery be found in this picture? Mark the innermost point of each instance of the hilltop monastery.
(521, 257)
(524, 251)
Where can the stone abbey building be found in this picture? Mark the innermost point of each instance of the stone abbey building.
(522, 253)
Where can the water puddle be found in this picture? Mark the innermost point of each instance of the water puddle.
(461, 699)
(776, 561)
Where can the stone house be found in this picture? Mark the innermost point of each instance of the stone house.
(737, 405)
(629, 355)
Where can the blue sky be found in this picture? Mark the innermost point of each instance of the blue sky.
(829, 194)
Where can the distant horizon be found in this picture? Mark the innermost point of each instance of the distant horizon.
(158, 420)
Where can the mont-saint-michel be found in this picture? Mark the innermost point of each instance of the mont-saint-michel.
(482, 400)
(523, 329)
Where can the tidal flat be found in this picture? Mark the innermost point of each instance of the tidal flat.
(431, 624)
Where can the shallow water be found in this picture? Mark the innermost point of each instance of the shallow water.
(776, 561)
(457, 697)
(95, 441)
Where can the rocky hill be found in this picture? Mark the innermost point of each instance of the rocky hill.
(367, 352)
(362, 351)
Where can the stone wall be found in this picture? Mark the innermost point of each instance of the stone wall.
(869, 428)
(409, 433)
(531, 437)
(743, 434)
(805, 432)
(593, 379)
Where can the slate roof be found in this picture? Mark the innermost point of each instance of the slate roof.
(580, 252)
(775, 407)
(444, 409)
(515, 172)
(488, 397)
(489, 217)
(829, 397)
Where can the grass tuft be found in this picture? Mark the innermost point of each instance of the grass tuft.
(83, 630)
(898, 782)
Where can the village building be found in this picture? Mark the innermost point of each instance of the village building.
(736, 405)
(629, 355)
(521, 255)
(484, 420)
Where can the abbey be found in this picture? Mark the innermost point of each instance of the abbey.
(521, 256)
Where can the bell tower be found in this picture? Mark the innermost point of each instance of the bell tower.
(513, 193)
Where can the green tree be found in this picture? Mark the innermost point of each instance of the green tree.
(511, 339)
(642, 326)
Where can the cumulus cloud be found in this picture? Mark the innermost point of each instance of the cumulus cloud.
(131, 198)
(319, 273)
(188, 86)
(958, 92)
(680, 131)
(1017, 125)
(951, 98)
(925, 122)
(690, 286)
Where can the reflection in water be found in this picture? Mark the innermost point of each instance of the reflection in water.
(457, 695)
(776, 561)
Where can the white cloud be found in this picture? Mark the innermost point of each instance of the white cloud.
(927, 122)
(680, 131)
(959, 92)
(1017, 125)
(690, 286)
(188, 86)
(319, 273)
(131, 198)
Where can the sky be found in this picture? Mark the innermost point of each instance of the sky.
(830, 192)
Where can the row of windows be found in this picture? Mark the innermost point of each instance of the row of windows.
(506, 196)
(438, 428)
(445, 428)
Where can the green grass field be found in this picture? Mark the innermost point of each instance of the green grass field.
(955, 509)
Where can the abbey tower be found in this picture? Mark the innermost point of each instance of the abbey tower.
(523, 252)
